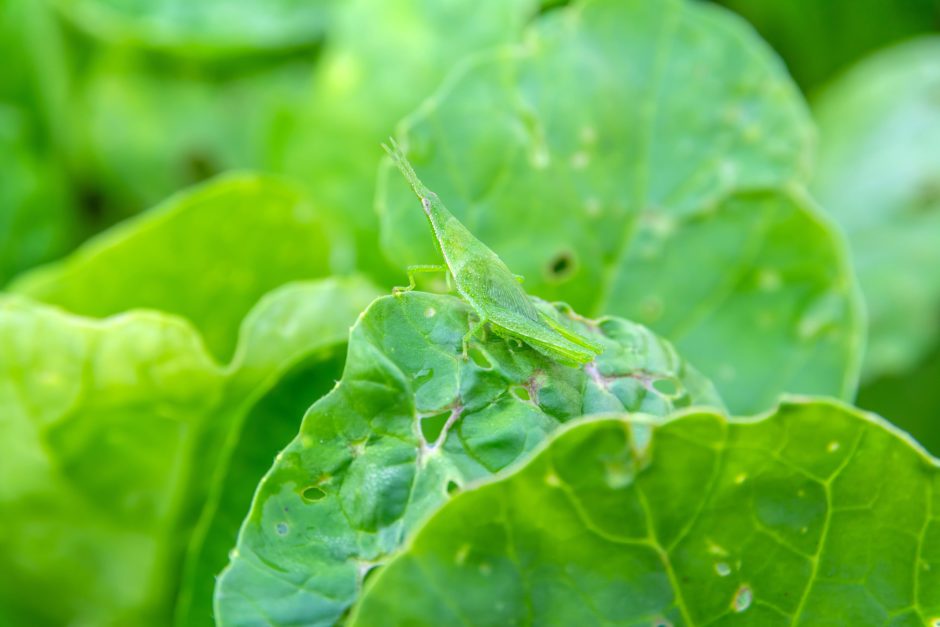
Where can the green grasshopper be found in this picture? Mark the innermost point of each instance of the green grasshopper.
(484, 281)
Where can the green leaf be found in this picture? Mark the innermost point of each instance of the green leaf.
(269, 425)
(204, 28)
(115, 437)
(644, 159)
(410, 422)
(382, 60)
(819, 39)
(879, 176)
(815, 514)
(154, 126)
(207, 254)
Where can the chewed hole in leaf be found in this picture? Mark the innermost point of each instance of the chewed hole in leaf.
(199, 165)
(423, 376)
(561, 266)
(452, 487)
(521, 392)
(91, 200)
(479, 357)
(666, 387)
(431, 426)
(312, 494)
(742, 599)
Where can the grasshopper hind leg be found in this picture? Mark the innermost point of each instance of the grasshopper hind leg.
(474, 329)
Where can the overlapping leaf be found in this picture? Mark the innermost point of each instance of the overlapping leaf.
(879, 176)
(643, 159)
(411, 421)
(815, 514)
(207, 254)
(115, 434)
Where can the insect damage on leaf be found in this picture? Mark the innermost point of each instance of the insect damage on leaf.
(484, 281)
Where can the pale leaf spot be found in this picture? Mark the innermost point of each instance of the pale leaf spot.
(580, 160)
(592, 206)
(769, 280)
(588, 134)
(716, 549)
(461, 556)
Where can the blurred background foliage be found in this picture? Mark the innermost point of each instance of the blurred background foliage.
(108, 106)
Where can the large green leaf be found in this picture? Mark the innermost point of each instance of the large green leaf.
(410, 422)
(818, 39)
(204, 28)
(643, 158)
(383, 58)
(815, 514)
(116, 434)
(879, 176)
(207, 254)
(154, 126)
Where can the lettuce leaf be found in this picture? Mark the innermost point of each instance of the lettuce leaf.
(814, 514)
(410, 422)
(646, 159)
(115, 437)
(207, 254)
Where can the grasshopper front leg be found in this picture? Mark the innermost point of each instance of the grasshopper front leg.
(412, 271)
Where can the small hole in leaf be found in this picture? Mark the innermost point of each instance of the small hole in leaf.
(561, 266)
(91, 200)
(371, 570)
(480, 358)
(666, 387)
(199, 165)
(312, 493)
(432, 426)
(453, 487)
(521, 393)
(423, 376)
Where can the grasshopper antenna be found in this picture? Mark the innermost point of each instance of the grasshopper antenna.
(398, 157)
